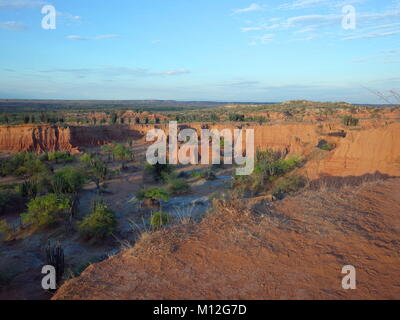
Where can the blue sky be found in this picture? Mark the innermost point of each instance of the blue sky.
(224, 50)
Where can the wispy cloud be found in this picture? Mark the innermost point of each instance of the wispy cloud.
(12, 26)
(100, 37)
(247, 29)
(108, 36)
(116, 72)
(373, 35)
(20, 4)
(383, 56)
(303, 4)
(300, 4)
(252, 7)
(263, 39)
(75, 37)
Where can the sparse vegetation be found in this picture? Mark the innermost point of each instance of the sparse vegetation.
(5, 229)
(47, 210)
(288, 185)
(159, 219)
(349, 121)
(158, 171)
(325, 145)
(99, 224)
(178, 187)
(268, 167)
(153, 194)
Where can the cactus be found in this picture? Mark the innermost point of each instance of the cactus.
(55, 258)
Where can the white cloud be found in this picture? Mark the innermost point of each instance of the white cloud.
(75, 37)
(12, 26)
(68, 16)
(100, 37)
(264, 39)
(252, 7)
(300, 4)
(251, 29)
(117, 72)
(171, 72)
(108, 36)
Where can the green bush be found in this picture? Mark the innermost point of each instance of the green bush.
(29, 188)
(325, 145)
(5, 228)
(46, 210)
(178, 187)
(68, 180)
(59, 157)
(99, 224)
(22, 164)
(96, 169)
(122, 154)
(158, 171)
(153, 193)
(288, 185)
(269, 166)
(159, 219)
(350, 121)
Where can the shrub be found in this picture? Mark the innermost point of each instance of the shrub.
(68, 180)
(5, 228)
(60, 157)
(153, 194)
(269, 166)
(22, 164)
(99, 224)
(97, 169)
(178, 187)
(325, 145)
(158, 220)
(46, 210)
(236, 117)
(350, 121)
(29, 188)
(158, 171)
(288, 185)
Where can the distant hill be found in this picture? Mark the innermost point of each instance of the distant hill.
(11, 105)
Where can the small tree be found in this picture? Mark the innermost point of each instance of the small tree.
(99, 224)
(122, 154)
(152, 197)
(96, 169)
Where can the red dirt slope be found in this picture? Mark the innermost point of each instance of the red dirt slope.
(294, 249)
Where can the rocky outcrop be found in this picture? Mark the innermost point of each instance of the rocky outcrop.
(44, 138)
(362, 152)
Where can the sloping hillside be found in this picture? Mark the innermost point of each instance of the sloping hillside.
(293, 249)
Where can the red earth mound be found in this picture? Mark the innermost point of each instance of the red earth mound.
(293, 249)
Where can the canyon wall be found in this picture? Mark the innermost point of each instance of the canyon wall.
(357, 151)
(54, 138)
